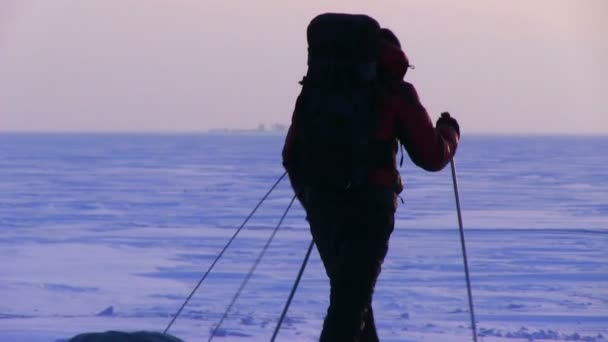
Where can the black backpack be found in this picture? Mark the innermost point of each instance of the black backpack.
(335, 113)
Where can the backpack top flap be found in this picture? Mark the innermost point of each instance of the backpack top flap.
(343, 38)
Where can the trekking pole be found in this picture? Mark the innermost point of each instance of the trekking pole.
(222, 252)
(293, 292)
(251, 271)
(464, 252)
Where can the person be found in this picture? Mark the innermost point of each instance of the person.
(351, 226)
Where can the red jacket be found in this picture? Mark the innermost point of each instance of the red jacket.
(401, 116)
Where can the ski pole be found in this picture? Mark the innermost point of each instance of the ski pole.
(222, 252)
(464, 252)
(293, 292)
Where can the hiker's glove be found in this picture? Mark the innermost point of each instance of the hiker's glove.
(447, 121)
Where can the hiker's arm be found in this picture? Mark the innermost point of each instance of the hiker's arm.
(288, 148)
(430, 148)
(289, 155)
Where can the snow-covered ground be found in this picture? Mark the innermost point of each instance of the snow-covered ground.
(113, 232)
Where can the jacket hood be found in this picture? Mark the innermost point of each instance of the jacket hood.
(392, 61)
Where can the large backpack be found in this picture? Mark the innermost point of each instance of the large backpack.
(335, 113)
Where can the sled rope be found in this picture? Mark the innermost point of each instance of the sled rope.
(251, 271)
(222, 252)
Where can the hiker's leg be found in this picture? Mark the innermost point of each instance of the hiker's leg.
(369, 333)
(362, 246)
(325, 216)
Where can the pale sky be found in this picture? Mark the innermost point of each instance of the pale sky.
(518, 66)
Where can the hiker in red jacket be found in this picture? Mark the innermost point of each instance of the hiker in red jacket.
(351, 226)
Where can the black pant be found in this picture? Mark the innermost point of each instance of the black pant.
(351, 230)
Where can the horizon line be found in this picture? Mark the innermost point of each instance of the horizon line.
(246, 131)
